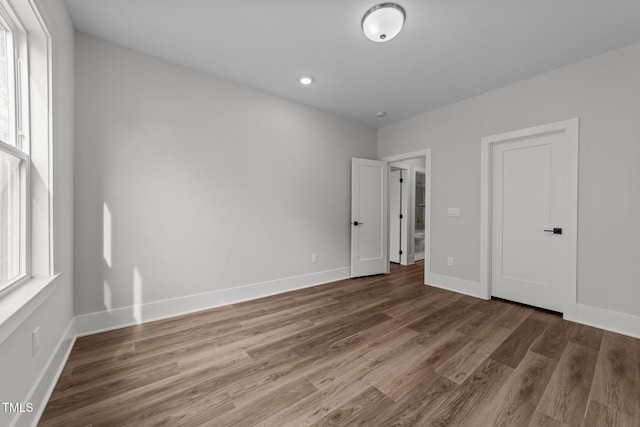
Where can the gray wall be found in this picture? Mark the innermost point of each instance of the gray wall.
(604, 92)
(209, 185)
(19, 370)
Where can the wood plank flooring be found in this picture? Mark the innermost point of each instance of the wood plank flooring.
(376, 351)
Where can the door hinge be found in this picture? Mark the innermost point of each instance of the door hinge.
(400, 252)
(401, 180)
(401, 216)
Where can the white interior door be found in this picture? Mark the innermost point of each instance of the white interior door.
(395, 210)
(369, 247)
(531, 188)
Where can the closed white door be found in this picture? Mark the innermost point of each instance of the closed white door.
(369, 250)
(533, 239)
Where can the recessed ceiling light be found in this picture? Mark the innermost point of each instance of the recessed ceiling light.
(383, 22)
(306, 80)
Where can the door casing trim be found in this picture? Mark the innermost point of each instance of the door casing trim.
(427, 224)
(571, 129)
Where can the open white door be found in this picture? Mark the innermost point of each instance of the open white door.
(369, 245)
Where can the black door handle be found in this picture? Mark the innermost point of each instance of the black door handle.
(555, 231)
(357, 223)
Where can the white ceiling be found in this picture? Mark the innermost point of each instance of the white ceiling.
(448, 50)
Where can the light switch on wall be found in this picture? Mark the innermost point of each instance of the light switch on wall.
(453, 212)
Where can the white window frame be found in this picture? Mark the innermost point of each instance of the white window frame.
(18, 101)
(25, 296)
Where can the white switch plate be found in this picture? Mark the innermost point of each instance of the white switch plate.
(314, 258)
(450, 261)
(453, 212)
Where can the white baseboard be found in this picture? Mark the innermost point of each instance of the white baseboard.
(454, 284)
(42, 389)
(92, 323)
(621, 323)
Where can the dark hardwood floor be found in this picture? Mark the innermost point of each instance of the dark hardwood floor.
(377, 351)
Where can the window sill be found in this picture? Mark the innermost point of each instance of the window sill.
(19, 303)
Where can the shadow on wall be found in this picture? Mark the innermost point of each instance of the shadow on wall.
(107, 256)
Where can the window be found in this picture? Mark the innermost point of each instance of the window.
(14, 165)
(27, 263)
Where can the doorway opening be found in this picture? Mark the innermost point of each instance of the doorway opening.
(399, 197)
(409, 209)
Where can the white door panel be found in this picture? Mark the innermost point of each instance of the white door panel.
(525, 214)
(368, 217)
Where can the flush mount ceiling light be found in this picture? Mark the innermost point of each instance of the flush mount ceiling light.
(383, 22)
(306, 80)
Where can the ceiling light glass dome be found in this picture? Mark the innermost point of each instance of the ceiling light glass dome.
(383, 22)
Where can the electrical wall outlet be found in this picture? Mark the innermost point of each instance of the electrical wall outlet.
(314, 258)
(35, 341)
(450, 261)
